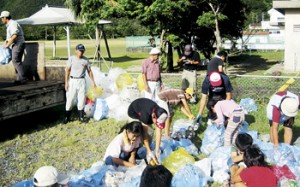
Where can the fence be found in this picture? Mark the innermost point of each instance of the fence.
(259, 88)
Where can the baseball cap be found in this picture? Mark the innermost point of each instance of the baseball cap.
(48, 175)
(215, 79)
(4, 14)
(189, 91)
(187, 49)
(80, 47)
(160, 122)
(289, 107)
(154, 51)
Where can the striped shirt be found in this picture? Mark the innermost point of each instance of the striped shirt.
(172, 96)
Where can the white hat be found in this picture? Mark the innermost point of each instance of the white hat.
(289, 107)
(215, 79)
(48, 175)
(154, 51)
(4, 14)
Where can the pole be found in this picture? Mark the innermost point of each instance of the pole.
(68, 40)
(54, 43)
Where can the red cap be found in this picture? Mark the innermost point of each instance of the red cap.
(215, 79)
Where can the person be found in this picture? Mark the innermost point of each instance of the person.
(75, 84)
(282, 108)
(174, 97)
(217, 63)
(151, 71)
(258, 172)
(229, 114)
(15, 39)
(215, 86)
(125, 147)
(149, 112)
(49, 176)
(156, 176)
(190, 61)
(242, 142)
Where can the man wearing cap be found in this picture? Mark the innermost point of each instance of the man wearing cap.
(50, 177)
(282, 109)
(190, 61)
(148, 112)
(216, 86)
(151, 71)
(75, 84)
(217, 63)
(173, 97)
(15, 39)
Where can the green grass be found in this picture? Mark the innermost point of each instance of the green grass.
(41, 139)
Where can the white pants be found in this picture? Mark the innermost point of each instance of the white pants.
(154, 89)
(166, 106)
(75, 91)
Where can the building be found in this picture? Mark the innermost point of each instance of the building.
(291, 9)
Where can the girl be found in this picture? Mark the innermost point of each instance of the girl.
(125, 147)
(258, 172)
(233, 112)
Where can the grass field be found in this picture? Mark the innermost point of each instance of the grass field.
(41, 139)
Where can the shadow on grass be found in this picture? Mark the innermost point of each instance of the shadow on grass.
(296, 132)
(124, 58)
(246, 63)
(31, 122)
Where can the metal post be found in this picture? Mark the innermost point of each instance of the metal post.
(68, 40)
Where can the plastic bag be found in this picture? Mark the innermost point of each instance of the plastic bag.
(89, 110)
(124, 80)
(248, 104)
(213, 138)
(5, 55)
(283, 172)
(140, 82)
(101, 109)
(92, 92)
(177, 159)
(189, 176)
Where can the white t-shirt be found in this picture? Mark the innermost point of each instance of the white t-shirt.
(118, 145)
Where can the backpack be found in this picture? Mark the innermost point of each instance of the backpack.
(216, 87)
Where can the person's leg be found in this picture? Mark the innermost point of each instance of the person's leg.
(233, 127)
(271, 131)
(17, 54)
(165, 105)
(141, 153)
(81, 98)
(150, 93)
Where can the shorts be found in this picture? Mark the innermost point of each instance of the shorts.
(288, 123)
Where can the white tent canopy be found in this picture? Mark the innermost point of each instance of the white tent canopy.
(55, 16)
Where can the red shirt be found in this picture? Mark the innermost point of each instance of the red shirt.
(257, 176)
(152, 70)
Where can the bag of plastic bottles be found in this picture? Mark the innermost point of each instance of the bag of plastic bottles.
(177, 159)
(124, 80)
(5, 55)
(92, 92)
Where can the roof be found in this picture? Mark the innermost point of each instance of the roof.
(53, 16)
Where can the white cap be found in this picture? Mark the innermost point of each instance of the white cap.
(289, 107)
(4, 14)
(154, 51)
(48, 175)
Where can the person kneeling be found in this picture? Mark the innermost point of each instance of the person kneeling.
(125, 147)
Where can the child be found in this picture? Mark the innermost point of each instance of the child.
(258, 172)
(233, 112)
(242, 142)
(125, 147)
(156, 176)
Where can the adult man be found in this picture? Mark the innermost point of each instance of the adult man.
(216, 86)
(282, 109)
(148, 112)
(77, 66)
(217, 63)
(151, 71)
(173, 97)
(15, 39)
(190, 62)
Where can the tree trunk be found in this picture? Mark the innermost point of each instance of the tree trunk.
(218, 36)
(170, 67)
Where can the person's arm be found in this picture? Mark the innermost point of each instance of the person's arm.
(185, 108)
(145, 82)
(132, 156)
(158, 133)
(228, 96)
(121, 162)
(236, 157)
(91, 76)
(221, 68)
(145, 137)
(274, 134)
(235, 171)
(67, 75)
(9, 42)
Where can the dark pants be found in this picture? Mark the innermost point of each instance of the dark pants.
(17, 54)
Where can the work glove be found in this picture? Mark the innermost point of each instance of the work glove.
(199, 119)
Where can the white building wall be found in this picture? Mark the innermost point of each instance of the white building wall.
(292, 40)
